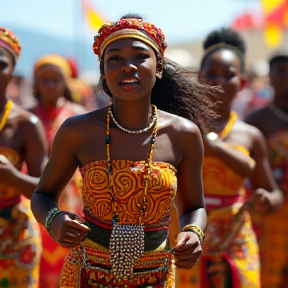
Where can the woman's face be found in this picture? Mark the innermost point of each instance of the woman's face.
(223, 68)
(130, 69)
(279, 78)
(50, 83)
(6, 69)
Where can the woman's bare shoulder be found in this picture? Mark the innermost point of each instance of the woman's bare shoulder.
(86, 120)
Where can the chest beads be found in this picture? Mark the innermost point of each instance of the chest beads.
(127, 240)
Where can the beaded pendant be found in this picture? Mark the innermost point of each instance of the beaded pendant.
(127, 240)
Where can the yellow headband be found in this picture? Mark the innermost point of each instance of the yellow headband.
(54, 60)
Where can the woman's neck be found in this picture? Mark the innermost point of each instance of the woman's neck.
(281, 103)
(132, 115)
(52, 105)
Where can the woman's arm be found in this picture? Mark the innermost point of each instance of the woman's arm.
(268, 197)
(190, 199)
(35, 156)
(66, 227)
(241, 164)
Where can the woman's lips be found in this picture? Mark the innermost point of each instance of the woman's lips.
(129, 84)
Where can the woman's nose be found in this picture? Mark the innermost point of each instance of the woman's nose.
(129, 67)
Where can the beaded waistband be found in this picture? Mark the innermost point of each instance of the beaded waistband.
(152, 268)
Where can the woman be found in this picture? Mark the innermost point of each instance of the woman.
(272, 120)
(51, 76)
(230, 252)
(131, 156)
(22, 138)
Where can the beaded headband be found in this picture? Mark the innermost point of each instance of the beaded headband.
(9, 41)
(129, 28)
(54, 60)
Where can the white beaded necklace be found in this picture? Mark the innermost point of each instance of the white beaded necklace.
(149, 126)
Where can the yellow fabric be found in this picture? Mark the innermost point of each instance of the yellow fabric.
(53, 60)
(20, 241)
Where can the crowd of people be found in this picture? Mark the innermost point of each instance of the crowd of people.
(159, 180)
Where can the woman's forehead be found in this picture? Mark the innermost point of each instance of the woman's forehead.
(5, 53)
(128, 43)
(50, 70)
(222, 56)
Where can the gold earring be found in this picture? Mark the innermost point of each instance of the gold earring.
(159, 74)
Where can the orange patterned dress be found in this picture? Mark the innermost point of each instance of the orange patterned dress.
(274, 230)
(230, 242)
(90, 264)
(20, 241)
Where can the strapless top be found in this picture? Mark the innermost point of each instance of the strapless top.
(222, 185)
(121, 192)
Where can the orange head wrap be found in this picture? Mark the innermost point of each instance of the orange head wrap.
(53, 60)
(9, 41)
(129, 28)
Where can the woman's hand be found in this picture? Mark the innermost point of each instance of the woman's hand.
(7, 171)
(263, 201)
(68, 230)
(187, 250)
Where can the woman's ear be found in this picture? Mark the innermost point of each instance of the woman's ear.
(159, 66)
(159, 69)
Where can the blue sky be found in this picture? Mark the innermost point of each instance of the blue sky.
(180, 20)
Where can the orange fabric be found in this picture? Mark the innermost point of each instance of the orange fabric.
(127, 181)
(20, 242)
(274, 229)
(229, 237)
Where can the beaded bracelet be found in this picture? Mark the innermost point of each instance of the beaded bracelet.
(50, 217)
(196, 229)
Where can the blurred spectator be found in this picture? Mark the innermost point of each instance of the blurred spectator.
(19, 90)
(272, 120)
(256, 93)
(54, 106)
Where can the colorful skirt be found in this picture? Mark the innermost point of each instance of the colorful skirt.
(152, 269)
(20, 247)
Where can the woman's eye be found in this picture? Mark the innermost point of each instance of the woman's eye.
(230, 75)
(3, 65)
(142, 56)
(211, 74)
(114, 58)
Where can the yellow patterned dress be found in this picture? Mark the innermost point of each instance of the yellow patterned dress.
(90, 264)
(20, 241)
(274, 229)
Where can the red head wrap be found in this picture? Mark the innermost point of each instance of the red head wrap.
(129, 28)
(9, 41)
